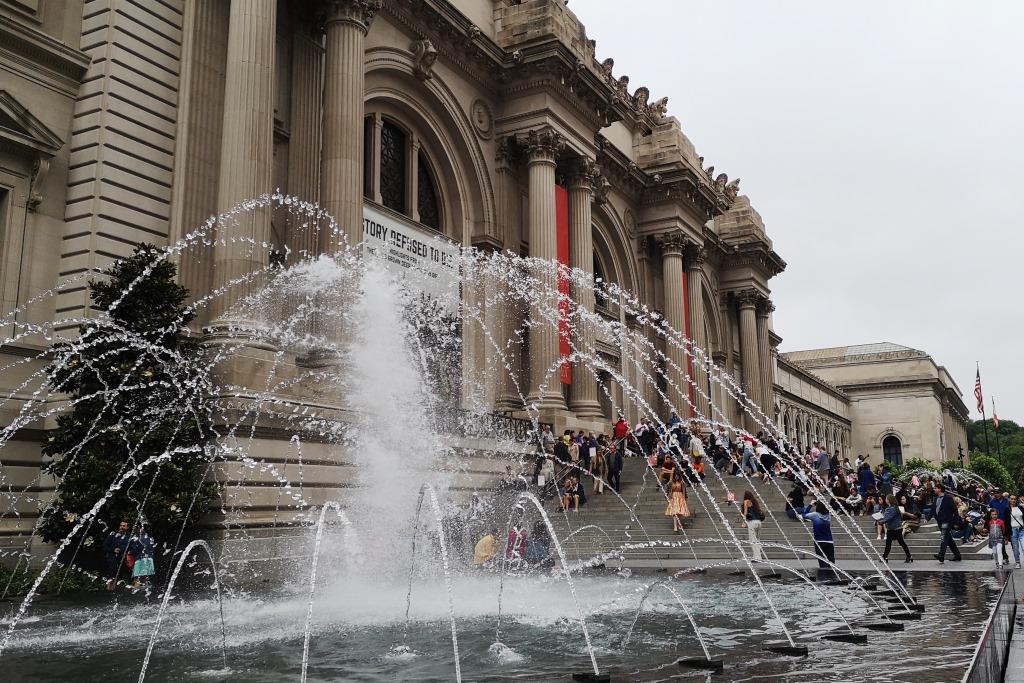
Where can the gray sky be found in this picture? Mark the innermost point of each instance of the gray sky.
(878, 142)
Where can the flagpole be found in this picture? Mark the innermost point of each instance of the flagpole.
(995, 428)
(981, 404)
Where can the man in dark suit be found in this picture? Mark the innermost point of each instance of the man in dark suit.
(946, 516)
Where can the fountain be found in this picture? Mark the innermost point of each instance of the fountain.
(355, 377)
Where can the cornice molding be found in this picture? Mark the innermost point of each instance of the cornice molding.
(34, 54)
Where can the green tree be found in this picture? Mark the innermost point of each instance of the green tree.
(992, 470)
(1005, 445)
(137, 388)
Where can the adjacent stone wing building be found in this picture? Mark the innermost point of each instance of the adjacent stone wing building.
(902, 404)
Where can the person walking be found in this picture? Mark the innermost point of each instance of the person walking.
(946, 516)
(753, 516)
(893, 520)
(677, 508)
(996, 534)
(599, 468)
(615, 469)
(1016, 529)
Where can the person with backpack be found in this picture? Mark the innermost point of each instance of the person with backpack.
(753, 516)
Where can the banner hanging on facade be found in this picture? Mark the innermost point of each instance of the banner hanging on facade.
(426, 261)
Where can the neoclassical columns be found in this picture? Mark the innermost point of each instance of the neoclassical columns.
(542, 148)
(341, 170)
(694, 258)
(672, 245)
(764, 310)
(583, 390)
(748, 300)
(247, 146)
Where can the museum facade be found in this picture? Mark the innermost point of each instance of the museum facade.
(131, 121)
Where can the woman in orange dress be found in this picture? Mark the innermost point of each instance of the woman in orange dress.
(677, 508)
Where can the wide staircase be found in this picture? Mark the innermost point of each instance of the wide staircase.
(604, 525)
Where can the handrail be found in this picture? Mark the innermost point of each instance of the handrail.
(987, 665)
(462, 422)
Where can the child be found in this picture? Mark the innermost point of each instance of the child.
(996, 534)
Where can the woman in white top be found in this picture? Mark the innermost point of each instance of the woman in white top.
(1016, 529)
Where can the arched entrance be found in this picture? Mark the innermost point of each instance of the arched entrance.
(892, 450)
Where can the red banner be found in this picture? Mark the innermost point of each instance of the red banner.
(686, 331)
(564, 329)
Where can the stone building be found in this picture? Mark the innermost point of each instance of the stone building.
(901, 403)
(131, 121)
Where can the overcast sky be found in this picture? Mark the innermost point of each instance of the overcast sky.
(880, 141)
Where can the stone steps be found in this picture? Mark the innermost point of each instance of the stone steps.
(618, 529)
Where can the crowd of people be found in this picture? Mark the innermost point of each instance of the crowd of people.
(823, 484)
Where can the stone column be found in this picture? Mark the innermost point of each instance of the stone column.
(748, 347)
(341, 160)
(675, 315)
(764, 355)
(542, 147)
(247, 146)
(694, 262)
(510, 309)
(583, 390)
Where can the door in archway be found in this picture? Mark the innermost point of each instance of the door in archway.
(892, 449)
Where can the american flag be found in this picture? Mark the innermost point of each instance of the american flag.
(977, 393)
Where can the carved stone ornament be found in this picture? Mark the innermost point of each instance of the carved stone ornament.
(748, 298)
(640, 98)
(483, 120)
(39, 171)
(672, 243)
(695, 256)
(607, 66)
(584, 173)
(659, 109)
(542, 144)
(360, 12)
(629, 220)
(424, 54)
(765, 307)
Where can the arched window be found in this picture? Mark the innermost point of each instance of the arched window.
(892, 449)
(426, 199)
(392, 167)
(398, 174)
(600, 295)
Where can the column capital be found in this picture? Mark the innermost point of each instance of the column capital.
(672, 243)
(542, 145)
(765, 307)
(694, 256)
(748, 298)
(357, 12)
(584, 174)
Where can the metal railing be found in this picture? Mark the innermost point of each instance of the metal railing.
(461, 422)
(993, 651)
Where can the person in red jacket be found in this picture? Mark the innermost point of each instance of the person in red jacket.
(620, 432)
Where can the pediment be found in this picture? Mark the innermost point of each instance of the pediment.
(18, 127)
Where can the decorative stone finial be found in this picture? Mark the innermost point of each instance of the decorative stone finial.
(424, 54)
